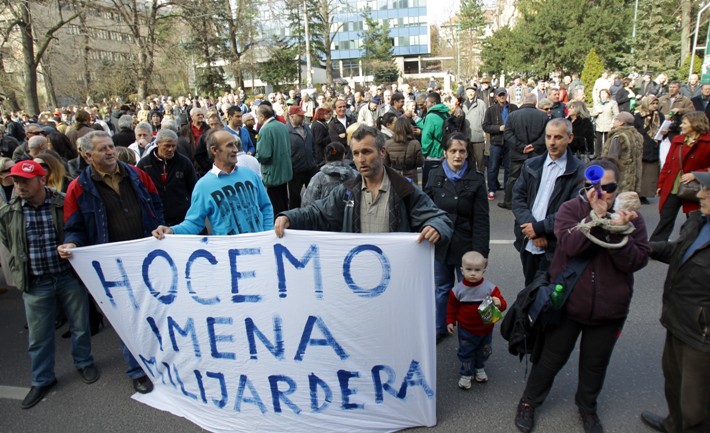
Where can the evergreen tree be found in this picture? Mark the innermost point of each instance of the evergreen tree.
(378, 53)
(684, 69)
(593, 68)
(297, 30)
(552, 35)
(282, 66)
(657, 43)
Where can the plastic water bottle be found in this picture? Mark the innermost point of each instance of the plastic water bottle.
(557, 297)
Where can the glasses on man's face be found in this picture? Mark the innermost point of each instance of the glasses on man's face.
(608, 188)
(548, 109)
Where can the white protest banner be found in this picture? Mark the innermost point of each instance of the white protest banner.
(326, 332)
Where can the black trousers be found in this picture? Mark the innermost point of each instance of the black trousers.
(515, 168)
(687, 375)
(279, 197)
(532, 263)
(295, 185)
(669, 212)
(594, 354)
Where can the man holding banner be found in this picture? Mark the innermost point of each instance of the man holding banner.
(233, 198)
(110, 201)
(377, 201)
(31, 228)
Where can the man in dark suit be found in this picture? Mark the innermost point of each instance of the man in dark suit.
(700, 102)
(338, 126)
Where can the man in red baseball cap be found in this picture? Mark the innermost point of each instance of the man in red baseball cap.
(32, 227)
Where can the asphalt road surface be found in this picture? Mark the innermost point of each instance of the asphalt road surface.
(634, 380)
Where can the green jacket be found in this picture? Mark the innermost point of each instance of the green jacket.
(432, 126)
(13, 236)
(273, 150)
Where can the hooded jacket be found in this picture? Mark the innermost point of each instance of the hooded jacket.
(322, 183)
(432, 126)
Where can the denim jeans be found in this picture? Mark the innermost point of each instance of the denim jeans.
(41, 310)
(134, 370)
(473, 351)
(444, 280)
(498, 157)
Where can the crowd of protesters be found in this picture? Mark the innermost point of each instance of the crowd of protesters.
(406, 159)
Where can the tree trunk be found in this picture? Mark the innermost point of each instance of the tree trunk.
(86, 76)
(49, 83)
(6, 86)
(686, 7)
(30, 66)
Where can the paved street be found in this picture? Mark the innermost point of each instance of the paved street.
(634, 381)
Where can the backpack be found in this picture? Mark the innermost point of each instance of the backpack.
(452, 123)
(524, 324)
(516, 327)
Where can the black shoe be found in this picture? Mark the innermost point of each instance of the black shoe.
(505, 206)
(441, 337)
(525, 418)
(59, 323)
(143, 385)
(654, 421)
(591, 422)
(89, 374)
(36, 394)
(644, 200)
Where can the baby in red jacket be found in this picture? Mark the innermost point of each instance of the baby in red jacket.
(475, 336)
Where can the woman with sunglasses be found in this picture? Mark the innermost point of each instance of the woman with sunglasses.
(690, 151)
(597, 305)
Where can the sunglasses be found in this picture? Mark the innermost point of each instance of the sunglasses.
(608, 188)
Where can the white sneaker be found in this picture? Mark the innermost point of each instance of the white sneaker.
(465, 382)
(481, 376)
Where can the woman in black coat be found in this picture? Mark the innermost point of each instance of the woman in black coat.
(583, 142)
(458, 188)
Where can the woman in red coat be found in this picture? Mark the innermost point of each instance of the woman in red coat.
(691, 152)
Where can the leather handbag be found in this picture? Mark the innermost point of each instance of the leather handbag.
(687, 191)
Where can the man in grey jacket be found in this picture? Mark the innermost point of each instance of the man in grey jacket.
(377, 201)
(474, 109)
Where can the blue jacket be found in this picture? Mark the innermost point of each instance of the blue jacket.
(85, 221)
(247, 144)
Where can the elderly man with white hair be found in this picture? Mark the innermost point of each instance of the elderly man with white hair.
(36, 145)
(144, 140)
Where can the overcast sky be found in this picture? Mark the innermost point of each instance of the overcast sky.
(441, 10)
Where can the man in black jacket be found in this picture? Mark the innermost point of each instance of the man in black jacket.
(338, 125)
(524, 136)
(173, 175)
(545, 182)
(685, 315)
(303, 158)
(701, 103)
(494, 124)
